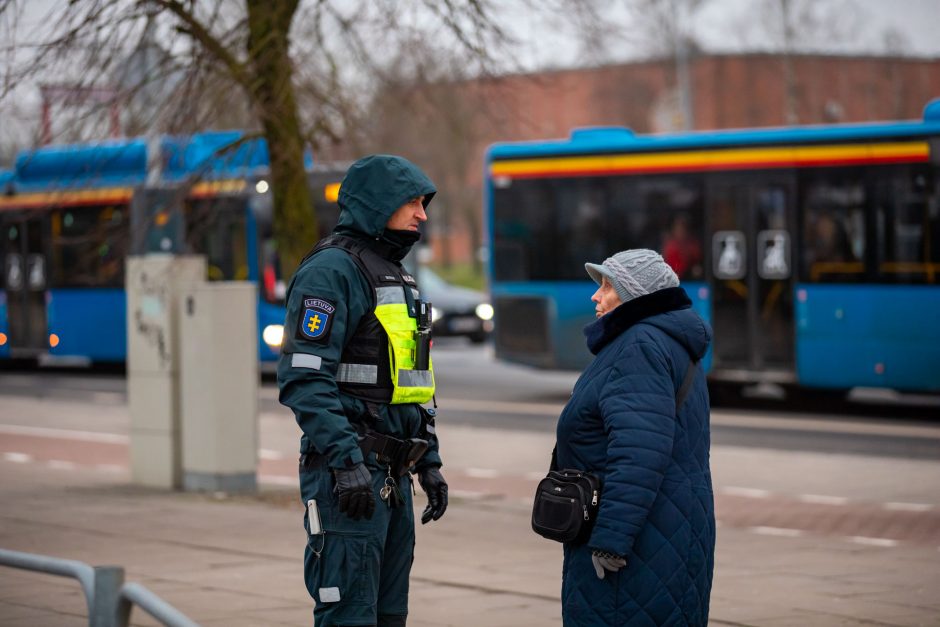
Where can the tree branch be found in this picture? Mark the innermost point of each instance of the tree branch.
(195, 29)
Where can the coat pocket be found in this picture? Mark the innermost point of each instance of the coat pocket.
(342, 570)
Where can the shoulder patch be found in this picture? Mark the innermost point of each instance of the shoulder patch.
(315, 320)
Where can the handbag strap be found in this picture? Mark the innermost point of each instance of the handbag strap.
(687, 382)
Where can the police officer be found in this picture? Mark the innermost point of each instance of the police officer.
(354, 326)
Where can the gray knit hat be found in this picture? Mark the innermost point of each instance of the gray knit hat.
(634, 273)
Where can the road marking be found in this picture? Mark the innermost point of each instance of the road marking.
(58, 464)
(46, 432)
(481, 473)
(95, 436)
(753, 493)
(733, 418)
(776, 531)
(822, 499)
(908, 507)
(18, 458)
(468, 494)
(886, 542)
(503, 407)
(109, 398)
(278, 480)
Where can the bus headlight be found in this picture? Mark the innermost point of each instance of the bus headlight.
(273, 335)
(436, 314)
(484, 311)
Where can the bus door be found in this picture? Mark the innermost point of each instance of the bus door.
(750, 231)
(22, 247)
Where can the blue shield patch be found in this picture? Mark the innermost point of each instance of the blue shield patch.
(316, 320)
(315, 323)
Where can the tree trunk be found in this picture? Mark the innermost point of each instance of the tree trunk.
(295, 224)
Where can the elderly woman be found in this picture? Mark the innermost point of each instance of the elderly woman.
(650, 555)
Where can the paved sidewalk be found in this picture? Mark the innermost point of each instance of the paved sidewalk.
(236, 561)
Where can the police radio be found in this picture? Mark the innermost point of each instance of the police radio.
(423, 336)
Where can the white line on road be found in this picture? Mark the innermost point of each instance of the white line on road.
(908, 507)
(467, 494)
(822, 499)
(278, 480)
(503, 407)
(18, 458)
(69, 434)
(776, 531)
(481, 473)
(886, 542)
(754, 493)
(95, 436)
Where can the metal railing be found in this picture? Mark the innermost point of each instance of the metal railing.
(108, 598)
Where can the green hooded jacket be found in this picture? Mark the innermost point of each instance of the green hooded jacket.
(373, 189)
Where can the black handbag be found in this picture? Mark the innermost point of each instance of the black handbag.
(567, 501)
(566, 504)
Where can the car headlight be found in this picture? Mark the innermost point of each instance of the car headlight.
(273, 335)
(436, 314)
(484, 311)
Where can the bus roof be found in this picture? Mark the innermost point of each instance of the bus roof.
(124, 162)
(621, 139)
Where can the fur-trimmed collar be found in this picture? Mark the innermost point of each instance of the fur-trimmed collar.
(600, 332)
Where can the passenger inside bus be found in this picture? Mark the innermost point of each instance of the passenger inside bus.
(681, 250)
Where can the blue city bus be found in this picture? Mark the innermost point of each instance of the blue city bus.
(70, 215)
(814, 252)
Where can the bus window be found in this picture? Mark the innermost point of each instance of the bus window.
(833, 215)
(662, 213)
(524, 212)
(89, 245)
(215, 228)
(908, 223)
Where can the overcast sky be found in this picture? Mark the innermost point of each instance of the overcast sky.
(729, 25)
(719, 26)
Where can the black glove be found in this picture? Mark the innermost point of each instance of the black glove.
(354, 487)
(433, 484)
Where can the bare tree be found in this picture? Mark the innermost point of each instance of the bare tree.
(436, 121)
(248, 52)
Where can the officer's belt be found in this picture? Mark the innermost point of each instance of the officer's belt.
(386, 448)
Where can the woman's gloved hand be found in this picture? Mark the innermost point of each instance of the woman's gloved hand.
(354, 487)
(604, 561)
(433, 484)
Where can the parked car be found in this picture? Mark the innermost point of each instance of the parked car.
(456, 311)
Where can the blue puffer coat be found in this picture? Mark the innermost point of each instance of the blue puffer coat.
(656, 507)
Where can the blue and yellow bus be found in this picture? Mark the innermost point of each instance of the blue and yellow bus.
(70, 215)
(813, 251)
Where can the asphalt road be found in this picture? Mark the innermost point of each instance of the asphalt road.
(476, 390)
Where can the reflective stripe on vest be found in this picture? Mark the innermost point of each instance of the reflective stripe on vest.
(409, 385)
(358, 373)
